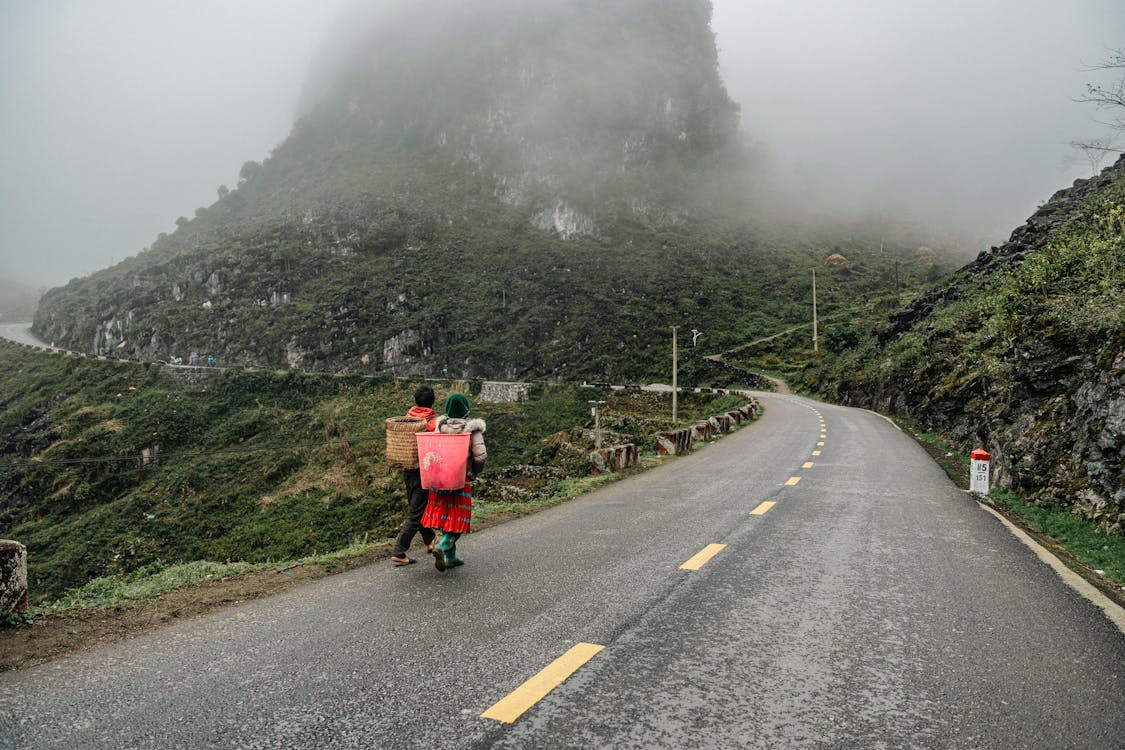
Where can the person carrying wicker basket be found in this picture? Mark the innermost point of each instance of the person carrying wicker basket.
(416, 497)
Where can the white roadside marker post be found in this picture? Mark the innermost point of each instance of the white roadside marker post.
(979, 472)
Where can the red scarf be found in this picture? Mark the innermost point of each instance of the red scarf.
(423, 412)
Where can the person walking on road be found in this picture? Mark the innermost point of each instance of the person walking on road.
(450, 511)
(416, 497)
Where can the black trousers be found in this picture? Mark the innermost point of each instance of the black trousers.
(415, 506)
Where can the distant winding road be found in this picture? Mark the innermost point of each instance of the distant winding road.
(842, 593)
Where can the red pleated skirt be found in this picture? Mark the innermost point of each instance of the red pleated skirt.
(449, 510)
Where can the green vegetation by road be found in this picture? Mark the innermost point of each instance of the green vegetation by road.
(254, 466)
(1103, 554)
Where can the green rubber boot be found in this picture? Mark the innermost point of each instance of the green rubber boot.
(451, 558)
(446, 544)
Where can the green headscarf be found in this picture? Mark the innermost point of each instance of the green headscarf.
(456, 406)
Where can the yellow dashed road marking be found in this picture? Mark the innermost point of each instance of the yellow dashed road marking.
(762, 509)
(807, 465)
(820, 445)
(816, 453)
(511, 707)
(792, 481)
(703, 556)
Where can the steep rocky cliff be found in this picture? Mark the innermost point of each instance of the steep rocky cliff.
(1022, 352)
(472, 188)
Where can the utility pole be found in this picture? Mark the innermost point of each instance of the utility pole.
(674, 386)
(595, 406)
(815, 344)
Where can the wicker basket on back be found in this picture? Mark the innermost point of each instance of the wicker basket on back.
(402, 446)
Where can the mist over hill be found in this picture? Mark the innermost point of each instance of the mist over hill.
(509, 189)
(581, 113)
(17, 301)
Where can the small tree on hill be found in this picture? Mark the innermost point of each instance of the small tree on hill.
(1111, 98)
(248, 171)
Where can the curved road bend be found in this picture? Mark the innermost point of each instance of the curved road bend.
(873, 605)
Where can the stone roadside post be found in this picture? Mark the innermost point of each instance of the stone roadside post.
(13, 576)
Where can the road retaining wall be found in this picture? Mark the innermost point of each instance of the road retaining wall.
(673, 442)
(187, 376)
(500, 392)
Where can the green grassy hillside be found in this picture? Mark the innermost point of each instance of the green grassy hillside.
(254, 465)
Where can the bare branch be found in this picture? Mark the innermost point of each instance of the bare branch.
(1115, 61)
(1095, 151)
(1112, 96)
(1105, 97)
(1099, 144)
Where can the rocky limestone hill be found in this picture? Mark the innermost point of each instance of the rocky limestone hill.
(503, 188)
(1022, 352)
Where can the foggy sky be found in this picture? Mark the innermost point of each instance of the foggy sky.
(118, 116)
(956, 114)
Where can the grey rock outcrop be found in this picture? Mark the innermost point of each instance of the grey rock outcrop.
(1050, 410)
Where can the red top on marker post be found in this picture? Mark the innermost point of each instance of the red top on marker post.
(979, 455)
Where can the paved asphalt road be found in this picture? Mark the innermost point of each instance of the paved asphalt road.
(875, 605)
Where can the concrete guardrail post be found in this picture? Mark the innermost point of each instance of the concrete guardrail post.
(614, 458)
